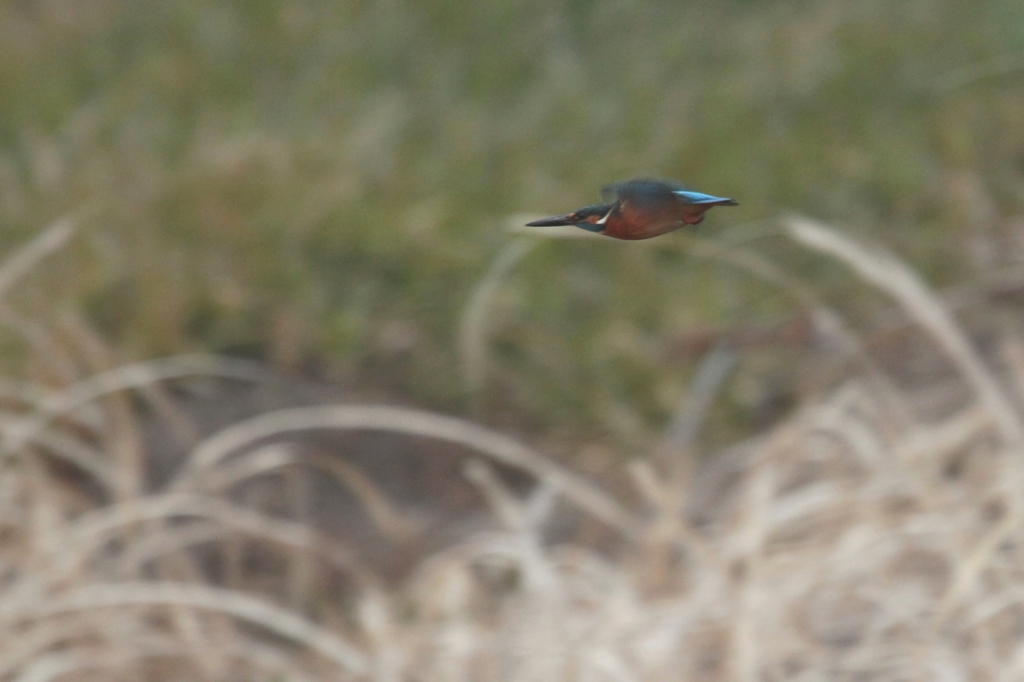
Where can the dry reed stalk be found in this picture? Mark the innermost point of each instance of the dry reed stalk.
(1011, 352)
(473, 324)
(210, 453)
(50, 358)
(122, 378)
(16, 267)
(84, 457)
(301, 570)
(751, 598)
(281, 622)
(120, 659)
(90, 533)
(672, 451)
(937, 441)
(121, 440)
(396, 526)
(509, 511)
(896, 279)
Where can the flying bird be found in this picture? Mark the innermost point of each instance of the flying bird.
(640, 209)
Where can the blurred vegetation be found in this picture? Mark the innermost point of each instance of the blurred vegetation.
(322, 183)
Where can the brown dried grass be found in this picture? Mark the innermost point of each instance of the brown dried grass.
(851, 542)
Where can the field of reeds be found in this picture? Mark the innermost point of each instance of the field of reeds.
(876, 533)
(288, 392)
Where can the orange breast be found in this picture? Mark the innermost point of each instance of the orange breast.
(630, 221)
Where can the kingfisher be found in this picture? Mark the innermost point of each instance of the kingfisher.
(640, 209)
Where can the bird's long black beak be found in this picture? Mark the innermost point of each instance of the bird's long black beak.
(552, 222)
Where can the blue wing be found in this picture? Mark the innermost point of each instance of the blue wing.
(700, 198)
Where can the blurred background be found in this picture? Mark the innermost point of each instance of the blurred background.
(320, 185)
(334, 191)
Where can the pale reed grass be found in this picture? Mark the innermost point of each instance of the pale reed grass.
(213, 451)
(122, 378)
(25, 259)
(280, 621)
(852, 542)
(473, 324)
(910, 292)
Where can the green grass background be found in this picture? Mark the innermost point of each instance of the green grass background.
(321, 183)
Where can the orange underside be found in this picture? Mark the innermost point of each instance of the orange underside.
(622, 229)
(631, 221)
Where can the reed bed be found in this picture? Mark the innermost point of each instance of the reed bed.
(856, 540)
